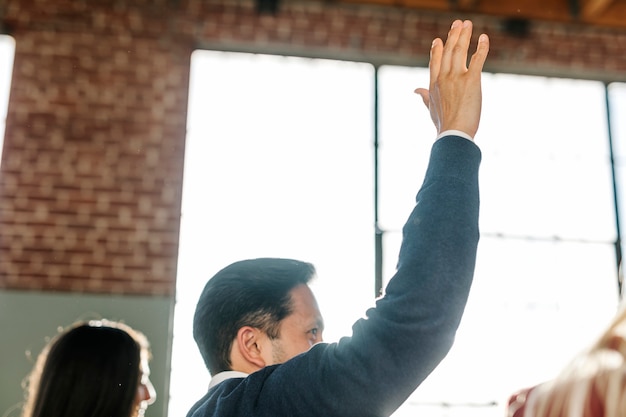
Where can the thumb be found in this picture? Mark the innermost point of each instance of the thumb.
(425, 94)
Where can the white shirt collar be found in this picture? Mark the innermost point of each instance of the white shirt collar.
(223, 376)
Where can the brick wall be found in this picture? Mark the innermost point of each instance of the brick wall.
(92, 165)
(91, 173)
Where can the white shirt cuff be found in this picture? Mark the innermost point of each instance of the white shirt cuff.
(455, 133)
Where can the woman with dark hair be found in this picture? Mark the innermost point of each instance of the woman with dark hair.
(97, 368)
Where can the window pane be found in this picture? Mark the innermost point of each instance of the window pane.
(7, 51)
(406, 136)
(278, 163)
(548, 172)
(532, 307)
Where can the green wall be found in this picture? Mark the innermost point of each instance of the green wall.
(28, 318)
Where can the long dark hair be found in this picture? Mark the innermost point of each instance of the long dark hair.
(89, 369)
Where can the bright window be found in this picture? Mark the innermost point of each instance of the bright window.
(280, 162)
(7, 51)
(546, 274)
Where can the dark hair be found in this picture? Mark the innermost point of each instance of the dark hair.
(89, 369)
(253, 292)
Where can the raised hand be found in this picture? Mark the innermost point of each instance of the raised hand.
(454, 97)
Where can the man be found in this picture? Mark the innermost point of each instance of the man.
(258, 326)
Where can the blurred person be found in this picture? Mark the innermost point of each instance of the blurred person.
(592, 385)
(257, 323)
(97, 368)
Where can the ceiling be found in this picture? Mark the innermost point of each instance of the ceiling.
(608, 13)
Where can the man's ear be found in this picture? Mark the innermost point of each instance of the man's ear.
(250, 345)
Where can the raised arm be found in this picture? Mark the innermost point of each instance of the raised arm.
(413, 326)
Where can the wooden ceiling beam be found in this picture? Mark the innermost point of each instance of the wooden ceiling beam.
(467, 4)
(462, 4)
(593, 8)
(608, 13)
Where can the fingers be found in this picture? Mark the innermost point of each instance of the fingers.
(459, 51)
(453, 36)
(478, 58)
(436, 53)
(456, 47)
